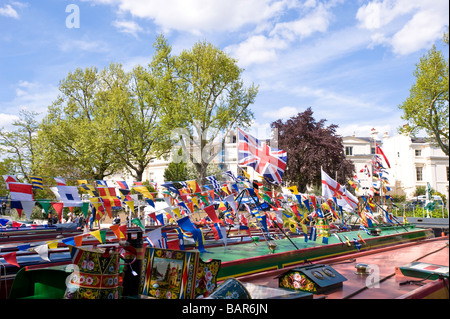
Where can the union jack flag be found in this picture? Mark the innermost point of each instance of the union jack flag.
(267, 161)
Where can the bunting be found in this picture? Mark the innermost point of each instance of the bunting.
(37, 182)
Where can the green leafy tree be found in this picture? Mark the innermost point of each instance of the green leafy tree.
(19, 145)
(130, 107)
(208, 98)
(426, 108)
(72, 136)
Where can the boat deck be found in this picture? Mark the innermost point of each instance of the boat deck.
(384, 281)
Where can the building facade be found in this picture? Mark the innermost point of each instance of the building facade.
(414, 162)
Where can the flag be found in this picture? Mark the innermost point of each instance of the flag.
(138, 223)
(267, 161)
(144, 191)
(230, 175)
(123, 184)
(212, 179)
(100, 235)
(232, 202)
(11, 259)
(293, 189)
(154, 238)
(194, 186)
(60, 181)
(68, 195)
(88, 189)
(313, 234)
(42, 251)
(37, 182)
(243, 224)
(58, 207)
(21, 192)
(101, 183)
(211, 212)
(28, 208)
(331, 188)
(10, 179)
(380, 152)
(171, 187)
(357, 245)
(116, 231)
(352, 184)
(108, 195)
(186, 225)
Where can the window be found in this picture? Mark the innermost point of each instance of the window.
(419, 174)
(418, 152)
(349, 150)
(372, 150)
(448, 174)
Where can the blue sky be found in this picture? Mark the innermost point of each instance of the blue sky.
(352, 62)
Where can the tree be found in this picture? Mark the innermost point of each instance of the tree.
(130, 106)
(208, 98)
(311, 146)
(426, 108)
(72, 136)
(19, 145)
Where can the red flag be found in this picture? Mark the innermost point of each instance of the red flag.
(11, 259)
(380, 152)
(173, 244)
(116, 231)
(211, 212)
(123, 230)
(58, 208)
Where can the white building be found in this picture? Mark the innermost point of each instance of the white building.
(414, 162)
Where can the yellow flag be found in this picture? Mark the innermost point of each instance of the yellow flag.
(304, 228)
(96, 202)
(292, 226)
(144, 191)
(177, 211)
(82, 181)
(97, 235)
(246, 174)
(52, 244)
(226, 190)
(293, 189)
(130, 204)
(195, 201)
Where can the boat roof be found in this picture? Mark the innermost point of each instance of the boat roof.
(387, 263)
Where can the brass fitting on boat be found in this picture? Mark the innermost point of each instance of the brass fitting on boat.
(362, 269)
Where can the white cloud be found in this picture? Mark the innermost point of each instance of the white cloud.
(32, 96)
(8, 11)
(130, 27)
(282, 113)
(260, 48)
(419, 33)
(6, 120)
(316, 21)
(200, 16)
(256, 49)
(406, 25)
